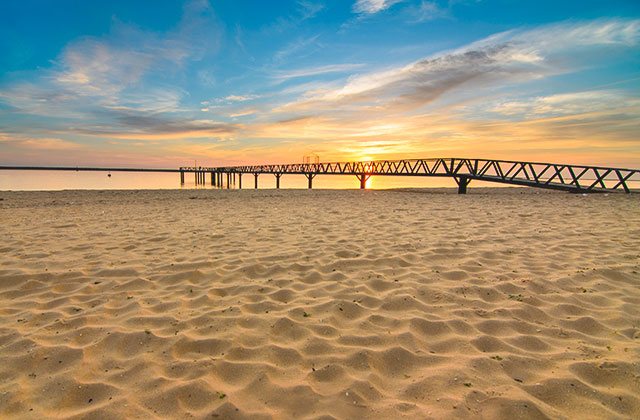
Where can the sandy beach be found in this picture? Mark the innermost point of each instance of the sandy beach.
(504, 303)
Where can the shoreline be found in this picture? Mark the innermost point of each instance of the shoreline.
(483, 188)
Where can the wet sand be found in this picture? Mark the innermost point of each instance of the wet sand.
(502, 303)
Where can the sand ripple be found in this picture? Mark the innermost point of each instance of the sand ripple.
(273, 304)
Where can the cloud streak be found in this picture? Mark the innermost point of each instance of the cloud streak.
(133, 124)
(315, 71)
(369, 7)
(429, 10)
(38, 143)
(566, 104)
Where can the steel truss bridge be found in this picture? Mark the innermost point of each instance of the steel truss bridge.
(574, 178)
(565, 177)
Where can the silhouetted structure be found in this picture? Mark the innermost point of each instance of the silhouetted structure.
(574, 178)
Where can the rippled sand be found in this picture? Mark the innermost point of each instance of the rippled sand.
(319, 304)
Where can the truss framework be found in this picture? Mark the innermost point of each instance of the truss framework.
(577, 178)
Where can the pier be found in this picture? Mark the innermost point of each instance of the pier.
(564, 177)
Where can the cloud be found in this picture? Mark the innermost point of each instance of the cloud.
(565, 104)
(369, 7)
(240, 98)
(429, 10)
(101, 84)
(292, 48)
(309, 9)
(243, 113)
(133, 124)
(39, 143)
(206, 78)
(93, 68)
(227, 102)
(116, 70)
(488, 95)
(592, 137)
(105, 67)
(497, 61)
(304, 10)
(462, 101)
(314, 71)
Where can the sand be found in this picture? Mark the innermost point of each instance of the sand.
(504, 303)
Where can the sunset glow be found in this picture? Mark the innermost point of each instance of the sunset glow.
(231, 82)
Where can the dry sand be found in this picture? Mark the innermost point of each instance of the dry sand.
(503, 303)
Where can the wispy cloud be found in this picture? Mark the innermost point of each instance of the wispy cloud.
(304, 10)
(133, 124)
(243, 113)
(573, 103)
(429, 10)
(503, 59)
(295, 47)
(226, 102)
(314, 71)
(309, 9)
(373, 6)
(240, 98)
(38, 143)
(105, 67)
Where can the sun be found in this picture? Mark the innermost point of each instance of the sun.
(367, 161)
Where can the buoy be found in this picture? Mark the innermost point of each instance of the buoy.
(109, 175)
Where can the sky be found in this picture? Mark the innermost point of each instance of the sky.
(223, 82)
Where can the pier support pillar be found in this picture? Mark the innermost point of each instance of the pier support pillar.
(310, 177)
(228, 179)
(278, 180)
(240, 181)
(462, 182)
(234, 178)
(195, 175)
(256, 180)
(181, 177)
(363, 178)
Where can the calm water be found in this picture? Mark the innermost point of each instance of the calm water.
(60, 180)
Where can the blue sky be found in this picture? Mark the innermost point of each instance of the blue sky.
(164, 83)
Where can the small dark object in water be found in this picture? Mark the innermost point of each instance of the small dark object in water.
(109, 175)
